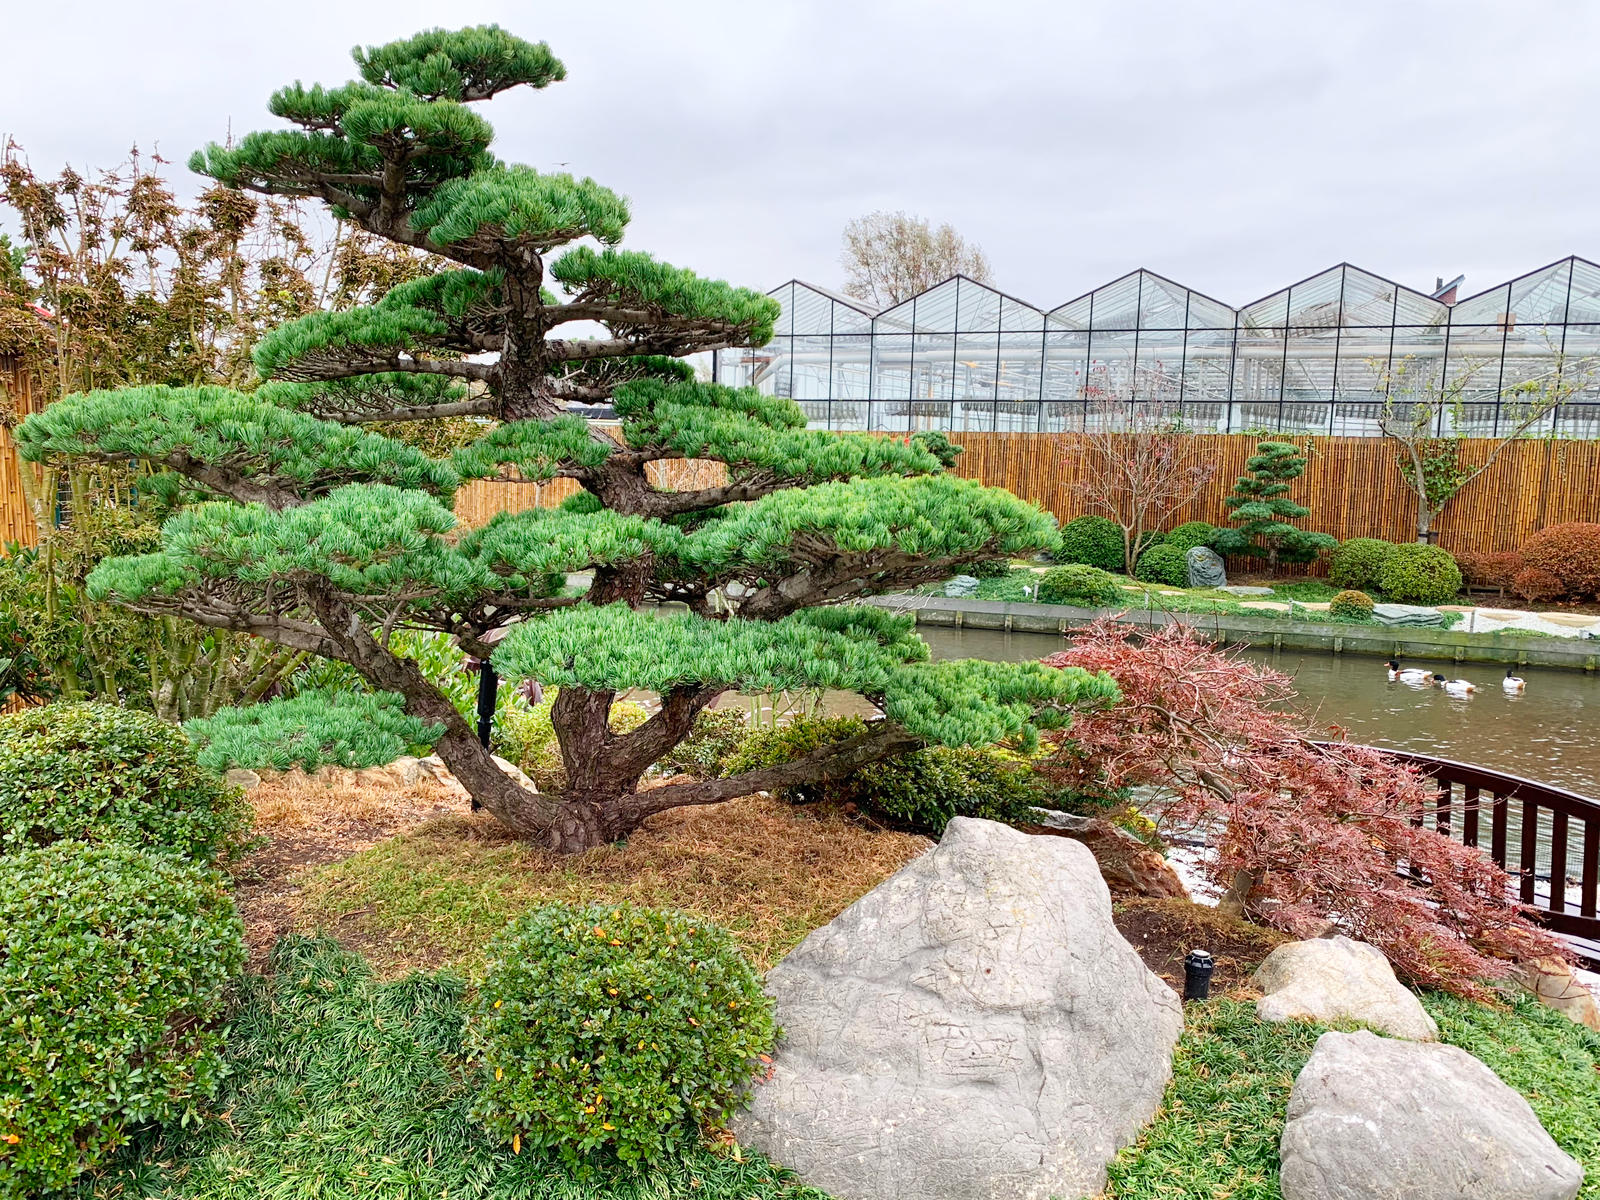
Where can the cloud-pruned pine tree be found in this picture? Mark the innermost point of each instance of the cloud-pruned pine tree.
(308, 530)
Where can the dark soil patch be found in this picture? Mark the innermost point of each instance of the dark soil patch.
(1164, 931)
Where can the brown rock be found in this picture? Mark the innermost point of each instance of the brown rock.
(1129, 867)
(1553, 983)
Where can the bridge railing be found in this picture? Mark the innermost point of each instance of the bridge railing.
(1545, 837)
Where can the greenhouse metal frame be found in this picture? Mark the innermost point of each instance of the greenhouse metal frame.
(1324, 355)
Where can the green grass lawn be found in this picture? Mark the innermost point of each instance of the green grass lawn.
(1216, 1136)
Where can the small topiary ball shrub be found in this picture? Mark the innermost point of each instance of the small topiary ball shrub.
(1089, 587)
(101, 773)
(1418, 574)
(1358, 562)
(1162, 564)
(1537, 585)
(311, 729)
(1570, 552)
(714, 738)
(1351, 604)
(115, 964)
(615, 1033)
(1189, 535)
(1092, 541)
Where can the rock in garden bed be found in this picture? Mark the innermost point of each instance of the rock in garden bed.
(1339, 979)
(1382, 1118)
(975, 1028)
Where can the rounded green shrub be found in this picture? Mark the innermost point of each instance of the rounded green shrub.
(101, 773)
(1350, 603)
(922, 791)
(1092, 541)
(1077, 584)
(614, 1033)
(1358, 562)
(1189, 535)
(989, 568)
(1163, 564)
(1419, 574)
(715, 736)
(115, 964)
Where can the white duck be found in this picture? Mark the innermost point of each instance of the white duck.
(1415, 676)
(1455, 687)
(1514, 684)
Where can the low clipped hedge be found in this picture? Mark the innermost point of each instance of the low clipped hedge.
(1163, 564)
(1357, 563)
(1570, 552)
(1351, 604)
(311, 729)
(1189, 535)
(102, 773)
(1093, 542)
(614, 1033)
(1419, 574)
(115, 965)
(1078, 584)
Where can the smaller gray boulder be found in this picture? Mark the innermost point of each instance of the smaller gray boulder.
(1374, 1118)
(1406, 614)
(1339, 979)
(1239, 589)
(1206, 568)
(961, 587)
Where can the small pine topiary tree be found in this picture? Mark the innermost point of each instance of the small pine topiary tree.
(324, 537)
(1261, 506)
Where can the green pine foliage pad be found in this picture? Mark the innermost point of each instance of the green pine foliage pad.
(311, 729)
(633, 278)
(189, 428)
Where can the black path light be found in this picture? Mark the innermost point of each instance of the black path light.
(1197, 969)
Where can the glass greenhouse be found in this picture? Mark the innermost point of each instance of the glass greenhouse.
(1320, 356)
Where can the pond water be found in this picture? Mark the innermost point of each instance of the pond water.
(1550, 733)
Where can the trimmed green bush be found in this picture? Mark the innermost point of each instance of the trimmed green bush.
(615, 1033)
(1075, 583)
(1419, 574)
(1351, 604)
(1189, 535)
(1092, 541)
(1358, 562)
(312, 729)
(715, 737)
(921, 792)
(990, 568)
(102, 773)
(1163, 564)
(115, 964)
(917, 792)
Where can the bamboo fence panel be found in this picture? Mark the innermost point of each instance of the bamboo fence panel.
(16, 391)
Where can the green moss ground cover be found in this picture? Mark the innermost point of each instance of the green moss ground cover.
(1217, 1133)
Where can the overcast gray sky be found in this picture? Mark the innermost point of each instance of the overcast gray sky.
(1235, 147)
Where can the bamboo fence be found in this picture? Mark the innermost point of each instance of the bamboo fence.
(1352, 485)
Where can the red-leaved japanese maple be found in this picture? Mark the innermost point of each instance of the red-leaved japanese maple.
(1304, 834)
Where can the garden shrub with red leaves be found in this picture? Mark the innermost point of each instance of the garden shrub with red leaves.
(1494, 569)
(1571, 553)
(1537, 584)
(1304, 834)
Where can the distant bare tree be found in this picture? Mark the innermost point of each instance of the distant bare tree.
(890, 257)
(1138, 465)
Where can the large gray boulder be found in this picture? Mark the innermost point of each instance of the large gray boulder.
(975, 1028)
(1205, 568)
(1374, 1118)
(1406, 614)
(1339, 979)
